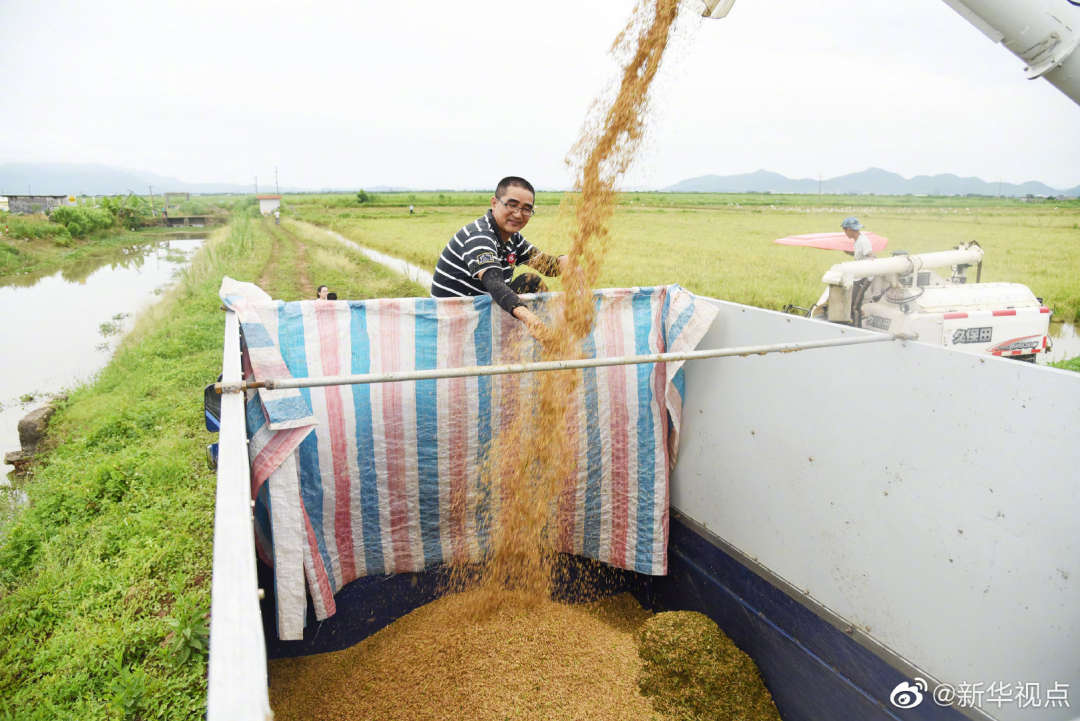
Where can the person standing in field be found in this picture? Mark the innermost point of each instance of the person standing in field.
(852, 229)
(481, 257)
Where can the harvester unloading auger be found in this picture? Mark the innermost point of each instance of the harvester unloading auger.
(1036, 31)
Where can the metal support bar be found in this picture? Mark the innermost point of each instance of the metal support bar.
(496, 370)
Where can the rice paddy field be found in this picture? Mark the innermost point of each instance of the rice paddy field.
(722, 245)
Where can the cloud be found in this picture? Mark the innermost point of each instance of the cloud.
(452, 94)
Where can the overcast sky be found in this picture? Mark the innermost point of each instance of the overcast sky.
(423, 94)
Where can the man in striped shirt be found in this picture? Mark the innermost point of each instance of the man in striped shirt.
(480, 258)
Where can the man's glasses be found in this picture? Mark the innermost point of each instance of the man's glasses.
(515, 207)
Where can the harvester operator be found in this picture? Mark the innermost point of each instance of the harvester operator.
(862, 250)
(853, 230)
(480, 258)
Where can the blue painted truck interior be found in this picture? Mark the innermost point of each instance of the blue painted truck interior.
(212, 418)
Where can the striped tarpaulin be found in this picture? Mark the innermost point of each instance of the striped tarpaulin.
(386, 478)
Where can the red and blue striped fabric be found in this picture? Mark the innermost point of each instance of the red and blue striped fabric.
(386, 478)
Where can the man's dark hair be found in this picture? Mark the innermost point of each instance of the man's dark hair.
(500, 189)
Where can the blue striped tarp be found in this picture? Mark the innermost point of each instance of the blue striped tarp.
(387, 478)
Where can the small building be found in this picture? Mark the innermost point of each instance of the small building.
(36, 203)
(174, 199)
(268, 203)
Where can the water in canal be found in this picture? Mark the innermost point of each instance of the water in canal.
(1065, 340)
(61, 329)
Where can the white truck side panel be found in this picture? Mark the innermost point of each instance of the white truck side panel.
(236, 673)
(929, 497)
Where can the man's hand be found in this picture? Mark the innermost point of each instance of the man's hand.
(564, 263)
(536, 327)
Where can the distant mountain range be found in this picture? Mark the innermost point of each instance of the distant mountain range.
(871, 180)
(91, 179)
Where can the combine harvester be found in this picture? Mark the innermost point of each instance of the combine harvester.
(886, 527)
(905, 294)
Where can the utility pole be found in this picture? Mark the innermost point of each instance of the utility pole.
(277, 191)
(152, 212)
(256, 185)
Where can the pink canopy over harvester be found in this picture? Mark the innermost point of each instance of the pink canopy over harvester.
(831, 241)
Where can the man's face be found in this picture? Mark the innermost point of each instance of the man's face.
(510, 221)
(853, 234)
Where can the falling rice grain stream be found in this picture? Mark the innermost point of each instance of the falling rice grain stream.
(536, 667)
(530, 459)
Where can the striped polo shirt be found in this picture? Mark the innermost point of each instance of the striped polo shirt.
(474, 249)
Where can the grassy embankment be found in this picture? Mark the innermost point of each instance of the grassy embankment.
(721, 245)
(1072, 364)
(104, 577)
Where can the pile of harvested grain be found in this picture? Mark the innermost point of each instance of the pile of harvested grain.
(530, 659)
(691, 670)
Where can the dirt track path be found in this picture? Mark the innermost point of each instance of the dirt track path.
(270, 269)
(307, 288)
(287, 243)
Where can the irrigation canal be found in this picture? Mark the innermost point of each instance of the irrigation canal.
(61, 329)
